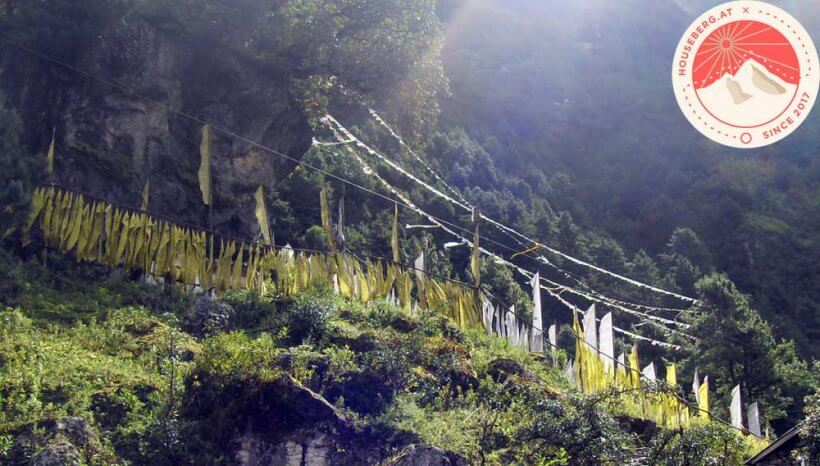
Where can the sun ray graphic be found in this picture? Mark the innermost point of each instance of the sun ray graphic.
(730, 46)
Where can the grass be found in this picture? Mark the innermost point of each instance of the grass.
(77, 340)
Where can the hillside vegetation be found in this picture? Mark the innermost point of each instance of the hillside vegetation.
(106, 370)
(553, 118)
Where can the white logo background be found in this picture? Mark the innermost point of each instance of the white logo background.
(751, 107)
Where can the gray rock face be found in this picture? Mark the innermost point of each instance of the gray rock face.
(209, 316)
(111, 141)
(423, 455)
(314, 449)
(76, 430)
(57, 454)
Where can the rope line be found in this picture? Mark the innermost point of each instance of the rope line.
(513, 231)
(367, 170)
(526, 252)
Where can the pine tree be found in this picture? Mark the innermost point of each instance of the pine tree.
(736, 346)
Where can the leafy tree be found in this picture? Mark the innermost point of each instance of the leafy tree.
(698, 445)
(686, 243)
(502, 283)
(810, 427)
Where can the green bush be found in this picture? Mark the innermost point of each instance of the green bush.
(699, 445)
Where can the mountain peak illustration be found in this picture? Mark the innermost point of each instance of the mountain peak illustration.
(750, 97)
(736, 91)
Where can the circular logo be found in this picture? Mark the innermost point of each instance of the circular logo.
(746, 74)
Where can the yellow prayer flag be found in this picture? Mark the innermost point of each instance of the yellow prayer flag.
(236, 273)
(145, 193)
(394, 237)
(475, 262)
(262, 215)
(205, 165)
(326, 221)
(671, 375)
(38, 201)
(50, 155)
(635, 367)
(703, 398)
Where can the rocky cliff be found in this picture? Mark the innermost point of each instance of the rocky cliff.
(111, 140)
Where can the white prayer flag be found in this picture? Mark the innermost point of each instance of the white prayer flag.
(649, 371)
(696, 385)
(591, 328)
(622, 360)
(487, 314)
(553, 337)
(607, 342)
(497, 325)
(735, 409)
(570, 370)
(512, 326)
(523, 336)
(753, 418)
(537, 340)
(419, 266)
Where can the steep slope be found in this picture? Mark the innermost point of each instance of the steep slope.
(105, 370)
(576, 100)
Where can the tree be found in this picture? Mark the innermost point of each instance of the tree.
(17, 170)
(385, 51)
(503, 285)
(810, 427)
(735, 346)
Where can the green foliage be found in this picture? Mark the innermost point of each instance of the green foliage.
(385, 370)
(386, 51)
(769, 371)
(236, 356)
(810, 426)
(588, 434)
(113, 374)
(700, 445)
(251, 311)
(503, 285)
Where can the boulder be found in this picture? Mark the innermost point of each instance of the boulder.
(59, 453)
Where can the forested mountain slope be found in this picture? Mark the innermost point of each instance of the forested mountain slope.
(575, 98)
(553, 118)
